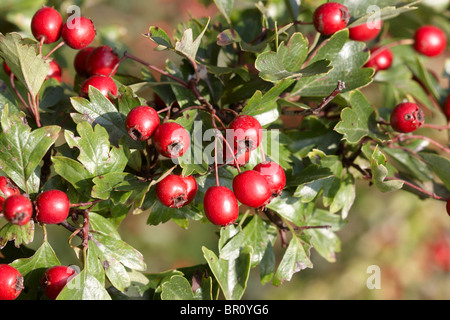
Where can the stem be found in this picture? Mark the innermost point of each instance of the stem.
(152, 67)
(430, 194)
(215, 158)
(54, 49)
(84, 204)
(340, 86)
(435, 143)
(436, 126)
(114, 70)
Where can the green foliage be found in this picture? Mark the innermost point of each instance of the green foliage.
(246, 60)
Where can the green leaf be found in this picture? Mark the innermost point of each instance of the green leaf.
(96, 154)
(380, 172)
(177, 288)
(22, 149)
(187, 45)
(22, 58)
(20, 234)
(100, 110)
(73, 172)
(287, 61)
(159, 36)
(232, 275)
(288, 207)
(359, 120)
(295, 259)
(344, 197)
(347, 58)
(439, 165)
(84, 286)
(256, 234)
(225, 7)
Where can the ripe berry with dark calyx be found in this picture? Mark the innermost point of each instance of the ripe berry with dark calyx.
(330, 17)
(52, 207)
(78, 32)
(251, 189)
(171, 140)
(55, 71)
(220, 205)
(366, 31)
(55, 279)
(79, 62)
(105, 84)
(8, 187)
(407, 117)
(274, 174)
(380, 59)
(11, 282)
(47, 23)
(18, 209)
(247, 132)
(102, 60)
(430, 40)
(192, 188)
(172, 191)
(141, 122)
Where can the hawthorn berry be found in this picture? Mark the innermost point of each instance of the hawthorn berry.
(18, 209)
(172, 191)
(102, 60)
(8, 187)
(366, 31)
(446, 107)
(191, 188)
(274, 174)
(11, 282)
(55, 279)
(47, 23)
(141, 122)
(247, 132)
(105, 84)
(171, 140)
(251, 188)
(330, 17)
(382, 60)
(55, 71)
(79, 62)
(407, 117)
(52, 206)
(430, 40)
(78, 32)
(220, 205)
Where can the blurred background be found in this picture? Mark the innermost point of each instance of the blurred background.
(407, 238)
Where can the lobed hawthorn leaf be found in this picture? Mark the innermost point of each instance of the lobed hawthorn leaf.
(359, 120)
(440, 166)
(100, 110)
(84, 286)
(177, 288)
(295, 259)
(232, 275)
(19, 234)
(347, 58)
(21, 56)
(22, 149)
(188, 46)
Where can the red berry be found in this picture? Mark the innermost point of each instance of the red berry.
(192, 188)
(55, 71)
(407, 117)
(381, 60)
(55, 279)
(11, 282)
(52, 207)
(171, 140)
(446, 107)
(331, 17)
(366, 31)
(8, 187)
(18, 209)
(102, 60)
(47, 22)
(220, 205)
(6, 68)
(247, 132)
(141, 122)
(105, 84)
(430, 41)
(274, 175)
(79, 61)
(78, 32)
(251, 189)
(172, 191)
